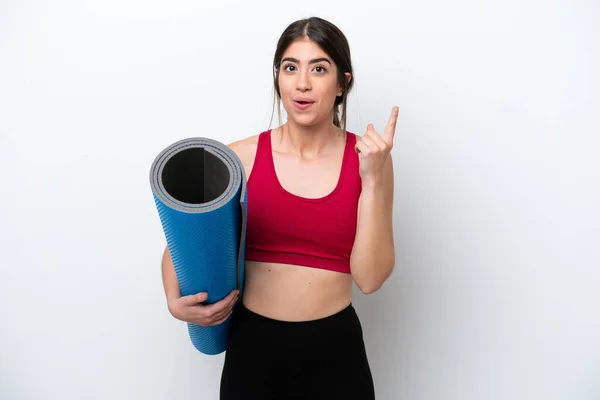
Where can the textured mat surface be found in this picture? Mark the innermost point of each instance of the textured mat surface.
(199, 188)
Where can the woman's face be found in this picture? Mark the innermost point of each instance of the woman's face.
(308, 83)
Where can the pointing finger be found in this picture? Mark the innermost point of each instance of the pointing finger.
(390, 128)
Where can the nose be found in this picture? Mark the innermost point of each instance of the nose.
(303, 82)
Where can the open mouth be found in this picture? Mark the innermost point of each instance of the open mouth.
(303, 103)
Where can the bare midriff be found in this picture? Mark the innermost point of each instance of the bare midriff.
(293, 292)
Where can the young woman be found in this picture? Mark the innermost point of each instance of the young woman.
(319, 218)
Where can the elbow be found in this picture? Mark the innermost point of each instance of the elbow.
(372, 285)
(369, 286)
(369, 289)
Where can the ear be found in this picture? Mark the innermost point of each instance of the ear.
(348, 79)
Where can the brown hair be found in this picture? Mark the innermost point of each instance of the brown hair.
(333, 42)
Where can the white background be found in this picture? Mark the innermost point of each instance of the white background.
(495, 293)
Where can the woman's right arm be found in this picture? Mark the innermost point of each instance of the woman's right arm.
(191, 308)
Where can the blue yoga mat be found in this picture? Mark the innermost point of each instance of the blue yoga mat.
(199, 188)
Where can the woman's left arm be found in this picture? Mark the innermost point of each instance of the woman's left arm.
(373, 257)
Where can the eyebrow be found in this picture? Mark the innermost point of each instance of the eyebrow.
(316, 60)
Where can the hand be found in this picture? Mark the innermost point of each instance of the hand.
(190, 309)
(373, 149)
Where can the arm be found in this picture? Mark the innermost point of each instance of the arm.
(191, 308)
(373, 255)
(170, 282)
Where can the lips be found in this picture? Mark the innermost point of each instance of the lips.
(303, 103)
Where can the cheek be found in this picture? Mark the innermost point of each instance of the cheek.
(285, 83)
(286, 90)
(329, 93)
(332, 87)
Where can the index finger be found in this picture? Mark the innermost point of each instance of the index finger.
(221, 304)
(390, 128)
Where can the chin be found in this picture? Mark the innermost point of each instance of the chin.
(305, 120)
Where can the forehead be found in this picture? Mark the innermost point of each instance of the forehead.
(304, 50)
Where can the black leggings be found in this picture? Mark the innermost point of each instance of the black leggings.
(321, 359)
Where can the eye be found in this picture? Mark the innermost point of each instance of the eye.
(288, 66)
(320, 69)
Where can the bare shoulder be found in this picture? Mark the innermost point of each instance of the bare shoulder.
(245, 149)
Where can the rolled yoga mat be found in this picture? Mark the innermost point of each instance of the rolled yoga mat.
(199, 188)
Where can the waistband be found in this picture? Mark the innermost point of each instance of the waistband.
(334, 319)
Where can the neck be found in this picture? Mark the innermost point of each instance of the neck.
(308, 141)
